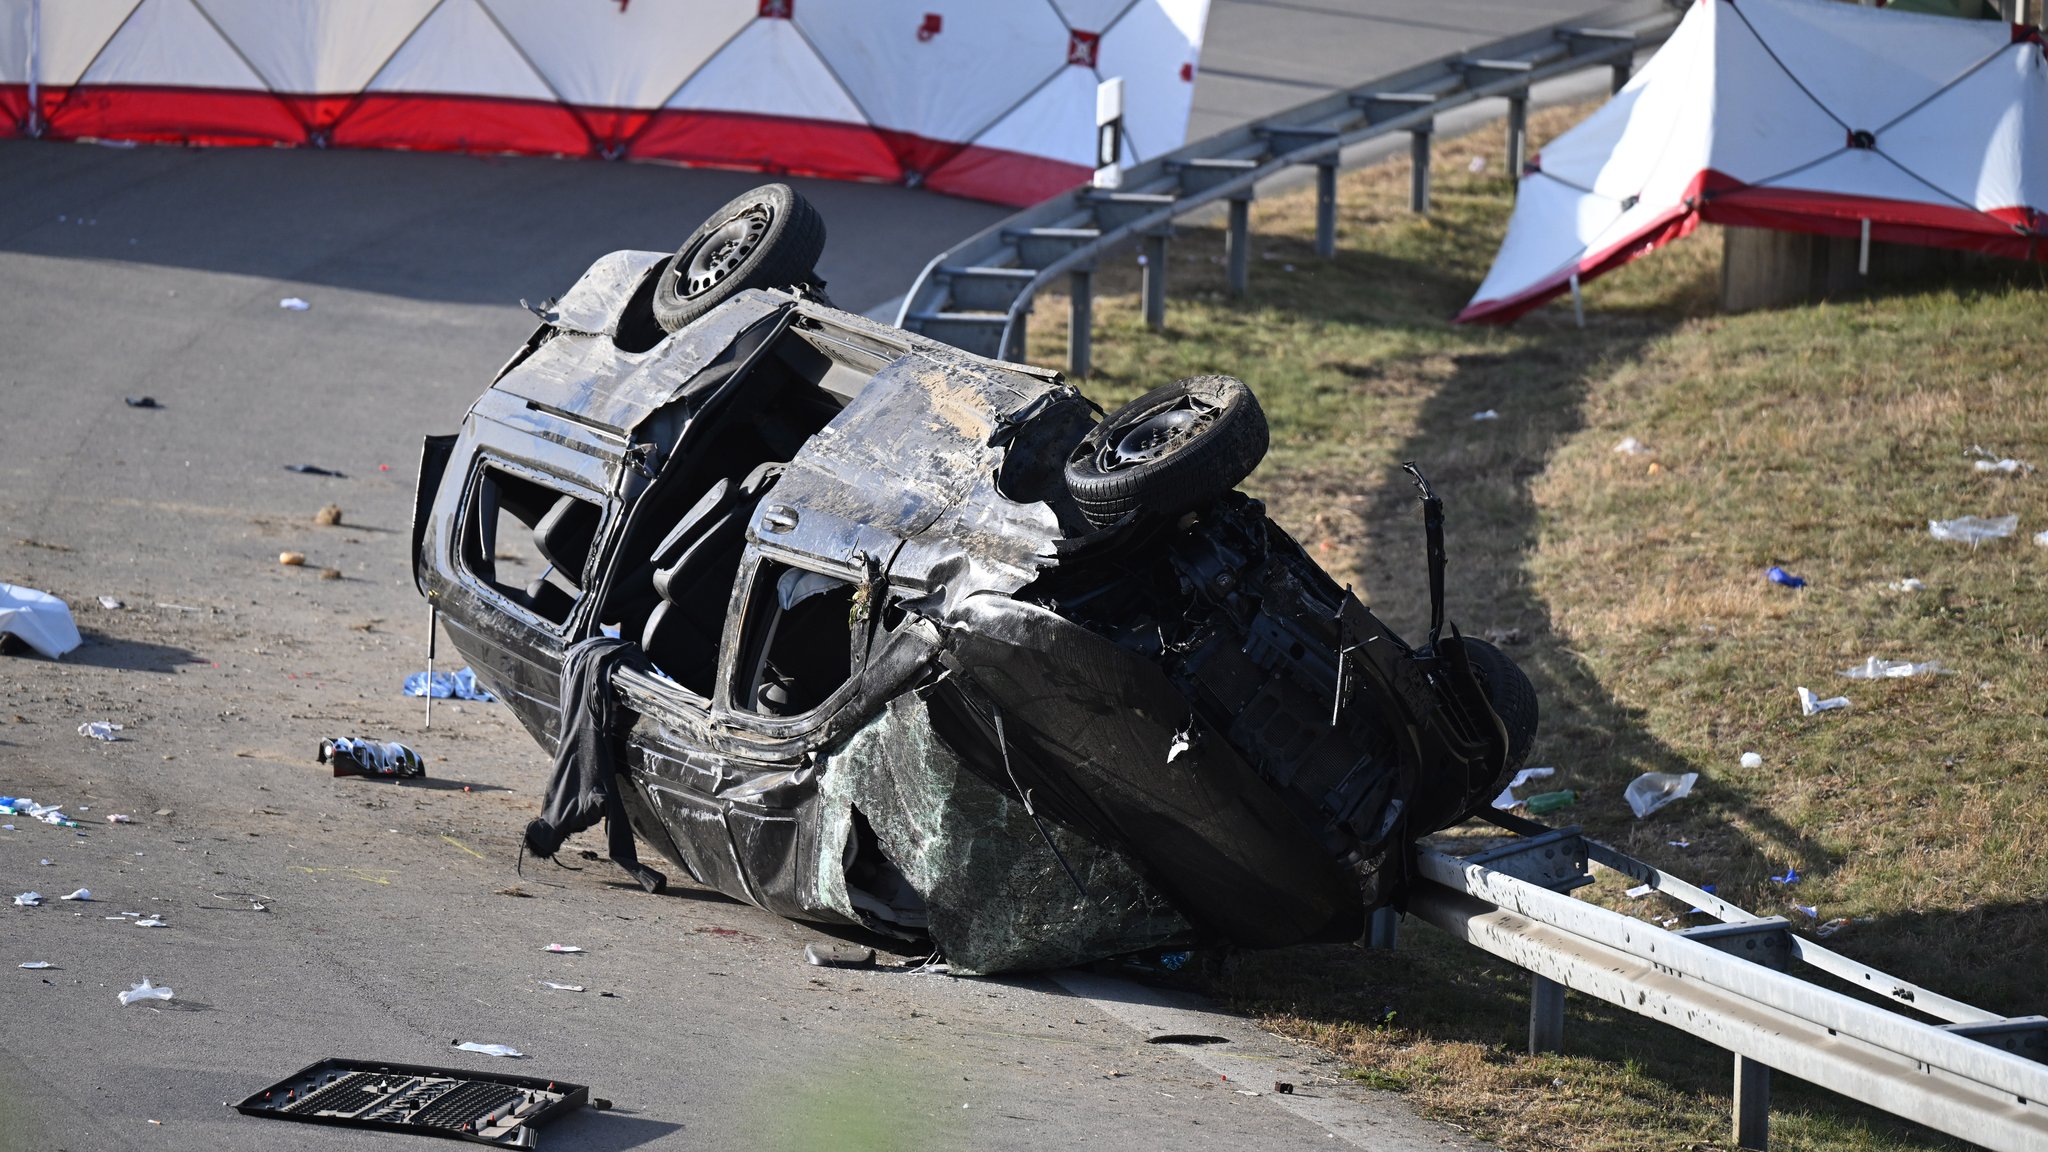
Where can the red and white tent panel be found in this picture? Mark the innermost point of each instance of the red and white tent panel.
(1798, 115)
(993, 99)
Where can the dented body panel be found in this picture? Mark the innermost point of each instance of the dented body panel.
(894, 679)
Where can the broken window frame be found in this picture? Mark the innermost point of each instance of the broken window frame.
(748, 591)
(468, 534)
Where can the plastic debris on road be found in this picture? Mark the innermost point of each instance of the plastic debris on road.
(1506, 799)
(1653, 790)
(459, 685)
(490, 1049)
(1877, 668)
(563, 948)
(117, 818)
(111, 604)
(100, 730)
(81, 894)
(351, 756)
(1973, 530)
(37, 619)
(145, 991)
(1630, 446)
(1810, 705)
(37, 964)
(1752, 760)
(293, 304)
(1777, 575)
(28, 899)
(561, 987)
(1910, 584)
(152, 922)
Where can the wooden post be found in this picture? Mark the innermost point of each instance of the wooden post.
(1326, 208)
(1418, 156)
(1155, 281)
(1238, 246)
(1546, 1015)
(1752, 1104)
(1080, 321)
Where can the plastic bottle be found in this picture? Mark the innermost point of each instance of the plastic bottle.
(357, 757)
(1550, 801)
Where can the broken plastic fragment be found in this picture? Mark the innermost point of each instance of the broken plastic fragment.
(1810, 705)
(1178, 745)
(1752, 760)
(1641, 890)
(491, 1049)
(1833, 926)
(1973, 529)
(293, 304)
(563, 948)
(1679, 843)
(1777, 575)
(111, 604)
(1877, 668)
(100, 730)
(561, 987)
(117, 818)
(2007, 465)
(1812, 913)
(145, 991)
(1653, 790)
(1630, 446)
(1910, 584)
(28, 899)
(1506, 799)
(1791, 876)
(36, 964)
(82, 894)
(1489, 414)
(152, 922)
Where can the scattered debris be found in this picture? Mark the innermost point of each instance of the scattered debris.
(353, 756)
(1988, 462)
(1476, 165)
(1489, 414)
(2041, 538)
(292, 559)
(83, 894)
(1973, 530)
(1810, 705)
(1550, 801)
(489, 1049)
(37, 619)
(1630, 446)
(1679, 843)
(1790, 877)
(563, 948)
(1504, 637)
(1876, 668)
(36, 964)
(1812, 913)
(314, 470)
(151, 922)
(460, 685)
(1777, 575)
(1653, 790)
(561, 987)
(28, 899)
(117, 818)
(1909, 584)
(142, 402)
(293, 304)
(145, 991)
(1640, 891)
(1506, 799)
(515, 890)
(839, 956)
(330, 573)
(490, 1108)
(111, 604)
(328, 516)
(1283, 1087)
(1752, 760)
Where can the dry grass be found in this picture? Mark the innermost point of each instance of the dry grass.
(1822, 439)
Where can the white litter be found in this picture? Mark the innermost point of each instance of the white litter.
(117, 818)
(293, 304)
(1877, 668)
(36, 964)
(1641, 890)
(84, 894)
(1489, 414)
(492, 1049)
(563, 948)
(145, 991)
(1178, 745)
(1752, 760)
(561, 987)
(111, 604)
(152, 922)
(1910, 584)
(28, 899)
(1506, 799)
(2041, 538)
(42, 621)
(1631, 447)
(2009, 466)
(100, 730)
(1653, 790)
(1973, 530)
(1476, 164)
(1810, 705)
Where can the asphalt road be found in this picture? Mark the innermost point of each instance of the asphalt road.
(394, 920)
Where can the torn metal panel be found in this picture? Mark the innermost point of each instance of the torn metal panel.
(997, 898)
(594, 303)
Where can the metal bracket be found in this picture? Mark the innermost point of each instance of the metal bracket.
(1555, 860)
(1767, 942)
(2020, 1035)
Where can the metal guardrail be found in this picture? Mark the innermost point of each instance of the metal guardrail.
(977, 294)
(1976, 1075)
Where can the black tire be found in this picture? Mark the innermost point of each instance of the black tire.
(1172, 450)
(1512, 696)
(770, 237)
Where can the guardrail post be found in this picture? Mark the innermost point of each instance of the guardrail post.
(1518, 134)
(1155, 280)
(1385, 930)
(1623, 69)
(1546, 1015)
(1326, 208)
(1418, 156)
(1238, 246)
(1080, 321)
(1752, 1104)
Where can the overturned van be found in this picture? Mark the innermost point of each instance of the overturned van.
(866, 630)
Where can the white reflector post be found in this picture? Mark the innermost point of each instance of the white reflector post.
(1109, 132)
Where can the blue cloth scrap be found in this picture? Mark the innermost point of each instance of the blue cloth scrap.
(1777, 575)
(461, 685)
